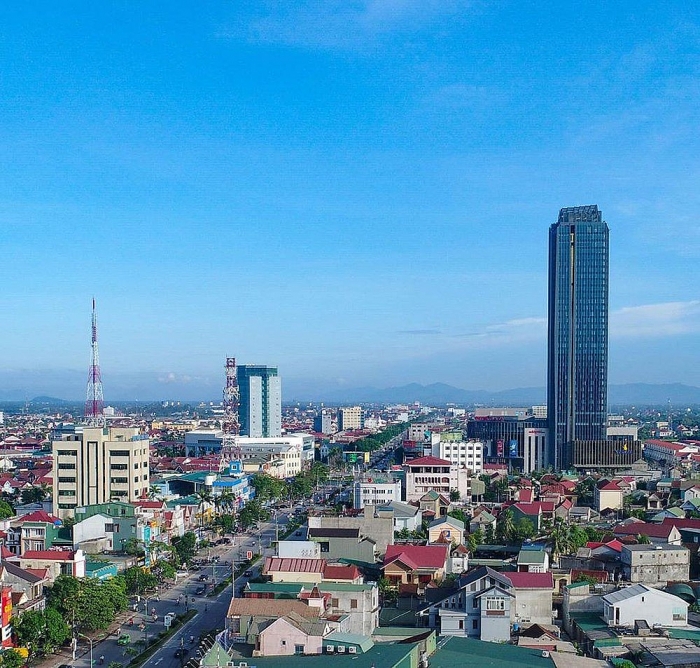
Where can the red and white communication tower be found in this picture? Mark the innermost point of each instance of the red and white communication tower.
(94, 403)
(230, 425)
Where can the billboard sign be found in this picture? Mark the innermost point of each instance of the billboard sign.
(499, 448)
(513, 447)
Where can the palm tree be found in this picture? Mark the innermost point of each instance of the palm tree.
(505, 526)
(560, 538)
(203, 497)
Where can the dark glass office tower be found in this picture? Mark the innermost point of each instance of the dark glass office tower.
(577, 355)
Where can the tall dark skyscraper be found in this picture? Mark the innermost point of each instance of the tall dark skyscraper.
(577, 347)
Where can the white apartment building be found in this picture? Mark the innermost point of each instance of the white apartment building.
(469, 454)
(375, 492)
(97, 465)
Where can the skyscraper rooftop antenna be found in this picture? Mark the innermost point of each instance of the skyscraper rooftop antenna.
(94, 403)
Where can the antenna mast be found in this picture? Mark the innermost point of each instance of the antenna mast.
(230, 424)
(94, 403)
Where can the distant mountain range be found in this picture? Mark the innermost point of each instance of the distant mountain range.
(50, 387)
(441, 393)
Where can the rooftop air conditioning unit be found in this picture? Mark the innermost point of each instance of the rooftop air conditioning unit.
(352, 650)
(329, 649)
(545, 653)
(341, 649)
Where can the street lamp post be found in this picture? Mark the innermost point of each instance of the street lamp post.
(75, 646)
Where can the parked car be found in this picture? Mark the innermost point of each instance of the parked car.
(248, 573)
(200, 591)
(124, 639)
(181, 652)
(203, 577)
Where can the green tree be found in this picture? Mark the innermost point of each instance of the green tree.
(404, 534)
(460, 515)
(29, 628)
(524, 529)
(34, 494)
(138, 581)
(643, 539)
(163, 570)
(6, 510)
(267, 488)
(454, 495)
(135, 547)
(505, 526)
(11, 658)
(56, 630)
(252, 513)
(490, 537)
(560, 538)
(225, 523)
(185, 546)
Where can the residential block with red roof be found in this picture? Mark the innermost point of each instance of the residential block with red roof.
(416, 565)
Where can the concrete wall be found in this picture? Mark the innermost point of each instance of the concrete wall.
(379, 529)
(534, 605)
(281, 637)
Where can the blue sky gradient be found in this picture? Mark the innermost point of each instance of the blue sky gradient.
(357, 191)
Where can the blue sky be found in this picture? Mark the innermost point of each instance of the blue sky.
(357, 191)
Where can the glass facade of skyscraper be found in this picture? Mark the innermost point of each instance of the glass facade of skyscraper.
(577, 364)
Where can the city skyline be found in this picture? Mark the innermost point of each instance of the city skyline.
(357, 194)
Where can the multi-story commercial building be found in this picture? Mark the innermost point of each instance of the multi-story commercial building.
(351, 417)
(511, 434)
(453, 448)
(376, 489)
(200, 442)
(291, 453)
(97, 465)
(260, 410)
(427, 474)
(577, 353)
(323, 423)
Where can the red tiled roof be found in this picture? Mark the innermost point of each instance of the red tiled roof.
(336, 572)
(682, 523)
(54, 555)
(609, 486)
(651, 530)
(4, 552)
(39, 516)
(288, 565)
(525, 495)
(39, 572)
(531, 580)
(530, 508)
(613, 544)
(429, 461)
(417, 556)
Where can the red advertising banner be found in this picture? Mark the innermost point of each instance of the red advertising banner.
(6, 602)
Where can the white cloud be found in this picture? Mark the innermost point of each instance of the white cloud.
(344, 24)
(656, 320)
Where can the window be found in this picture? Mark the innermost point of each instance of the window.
(118, 467)
(475, 624)
(119, 453)
(325, 546)
(334, 603)
(66, 478)
(495, 604)
(353, 604)
(461, 624)
(284, 643)
(298, 649)
(475, 603)
(119, 481)
(136, 478)
(67, 453)
(111, 528)
(67, 466)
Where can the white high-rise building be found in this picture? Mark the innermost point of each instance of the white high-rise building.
(260, 410)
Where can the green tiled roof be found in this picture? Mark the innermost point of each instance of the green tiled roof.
(465, 652)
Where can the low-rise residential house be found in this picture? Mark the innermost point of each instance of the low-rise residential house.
(246, 616)
(447, 529)
(608, 495)
(459, 560)
(655, 565)
(38, 530)
(356, 604)
(291, 635)
(406, 516)
(627, 606)
(658, 534)
(533, 597)
(415, 564)
(29, 584)
(433, 503)
(341, 543)
(671, 513)
(531, 511)
(487, 602)
(479, 608)
(55, 562)
(294, 570)
(342, 573)
(482, 521)
(692, 493)
(374, 523)
(533, 559)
